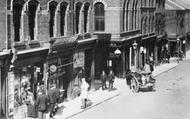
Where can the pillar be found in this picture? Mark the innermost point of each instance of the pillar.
(124, 61)
(57, 24)
(130, 57)
(156, 54)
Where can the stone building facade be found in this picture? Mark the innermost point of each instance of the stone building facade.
(55, 41)
(160, 30)
(177, 26)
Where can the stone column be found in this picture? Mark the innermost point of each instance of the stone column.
(57, 24)
(130, 57)
(124, 61)
(156, 54)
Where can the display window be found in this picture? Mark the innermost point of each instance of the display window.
(21, 84)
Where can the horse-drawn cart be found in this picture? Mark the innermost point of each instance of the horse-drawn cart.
(138, 81)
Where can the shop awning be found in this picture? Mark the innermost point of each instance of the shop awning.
(63, 42)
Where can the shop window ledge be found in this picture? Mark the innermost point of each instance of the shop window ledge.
(19, 45)
(34, 44)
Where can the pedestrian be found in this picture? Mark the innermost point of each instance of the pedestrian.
(128, 78)
(111, 78)
(84, 93)
(52, 100)
(30, 102)
(103, 78)
(57, 94)
(41, 104)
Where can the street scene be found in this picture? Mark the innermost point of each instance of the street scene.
(169, 101)
(97, 59)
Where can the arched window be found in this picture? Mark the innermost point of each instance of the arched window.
(130, 15)
(145, 25)
(52, 8)
(133, 15)
(63, 8)
(32, 7)
(136, 15)
(77, 16)
(17, 10)
(127, 16)
(86, 13)
(144, 3)
(99, 16)
(152, 24)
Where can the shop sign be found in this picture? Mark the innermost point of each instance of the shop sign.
(10, 93)
(78, 59)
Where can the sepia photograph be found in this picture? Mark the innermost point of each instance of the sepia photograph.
(94, 59)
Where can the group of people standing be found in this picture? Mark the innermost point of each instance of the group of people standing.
(107, 78)
(45, 103)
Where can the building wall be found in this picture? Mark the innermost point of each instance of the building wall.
(171, 22)
(160, 17)
(2, 25)
(148, 8)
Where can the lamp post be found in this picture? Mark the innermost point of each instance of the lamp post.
(178, 44)
(117, 52)
(135, 48)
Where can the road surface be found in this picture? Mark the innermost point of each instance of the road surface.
(171, 100)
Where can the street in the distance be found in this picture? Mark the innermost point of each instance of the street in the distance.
(169, 101)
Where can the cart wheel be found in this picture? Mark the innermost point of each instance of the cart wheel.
(134, 86)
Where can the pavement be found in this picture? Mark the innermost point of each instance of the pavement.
(72, 108)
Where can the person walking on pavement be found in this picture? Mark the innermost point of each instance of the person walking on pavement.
(111, 78)
(84, 93)
(52, 100)
(41, 104)
(30, 102)
(57, 93)
(103, 79)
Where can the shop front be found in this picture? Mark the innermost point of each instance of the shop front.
(161, 44)
(84, 63)
(71, 59)
(60, 65)
(25, 74)
(148, 44)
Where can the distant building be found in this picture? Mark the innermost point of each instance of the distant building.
(177, 25)
(60, 41)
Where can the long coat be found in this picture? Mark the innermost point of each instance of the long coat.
(84, 90)
(111, 77)
(103, 78)
(41, 103)
(52, 96)
(57, 94)
(31, 111)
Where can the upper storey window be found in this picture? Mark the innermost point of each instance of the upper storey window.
(77, 16)
(63, 17)
(99, 17)
(17, 10)
(52, 8)
(32, 8)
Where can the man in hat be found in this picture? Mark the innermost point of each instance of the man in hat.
(52, 100)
